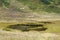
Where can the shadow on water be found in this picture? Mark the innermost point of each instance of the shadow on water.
(28, 27)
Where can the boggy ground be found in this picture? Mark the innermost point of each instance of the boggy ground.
(50, 26)
(52, 32)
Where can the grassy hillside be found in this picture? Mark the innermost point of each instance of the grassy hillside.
(28, 9)
(51, 6)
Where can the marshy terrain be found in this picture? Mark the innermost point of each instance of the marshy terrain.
(29, 19)
(34, 26)
(30, 31)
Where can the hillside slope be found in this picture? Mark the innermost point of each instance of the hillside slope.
(20, 10)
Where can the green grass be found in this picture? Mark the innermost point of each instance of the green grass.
(33, 5)
(42, 5)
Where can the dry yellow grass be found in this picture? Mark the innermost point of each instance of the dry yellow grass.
(32, 35)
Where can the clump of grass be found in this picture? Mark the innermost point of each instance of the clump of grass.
(4, 3)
